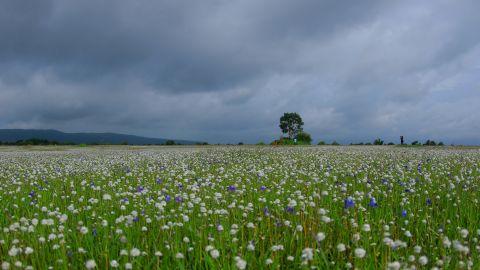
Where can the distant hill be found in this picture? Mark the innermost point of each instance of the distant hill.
(14, 135)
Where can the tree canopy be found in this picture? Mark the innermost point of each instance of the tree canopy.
(291, 124)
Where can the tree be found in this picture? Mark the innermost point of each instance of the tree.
(378, 141)
(335, 143)
(430, 143)
(321, 143)
(291, 124)
(415, 143)
(170, 142)
(304, 138)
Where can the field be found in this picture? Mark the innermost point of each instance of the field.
(239, 208)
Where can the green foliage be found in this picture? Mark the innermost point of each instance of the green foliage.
(378, 141)
(415, 143)
(335, 143)
(430, 143)
(291, 124)
(170, 142)
(390, 143)
(240, 143)
(321, 143)
(261, 143)
(283, 141)
(303, 138)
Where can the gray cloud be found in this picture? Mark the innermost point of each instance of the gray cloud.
(225, 71)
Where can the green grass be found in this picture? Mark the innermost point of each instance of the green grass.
(232, 187)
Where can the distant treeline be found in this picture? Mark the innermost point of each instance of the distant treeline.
(36, 141)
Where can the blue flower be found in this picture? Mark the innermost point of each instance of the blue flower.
(232, 188)
(404, 213)
(429, 201)
(263, 188)
(373, 202)
(349, 203)
(168, 198)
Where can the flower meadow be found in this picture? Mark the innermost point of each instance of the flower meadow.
(240, 208)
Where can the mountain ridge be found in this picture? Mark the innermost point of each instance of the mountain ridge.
(14, 135)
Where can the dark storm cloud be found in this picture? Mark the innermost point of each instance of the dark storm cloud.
(226, 70)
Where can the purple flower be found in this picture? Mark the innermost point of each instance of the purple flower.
(349, 203)
(31, 194)
(290, 209)
(404, 213)
(140, 189)
(159, 181)
(167, 198)
(265, 211)
(136, 219)
(232, 188)
(178, 199)
(263, 188)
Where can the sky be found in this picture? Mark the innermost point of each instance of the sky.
(225, 71)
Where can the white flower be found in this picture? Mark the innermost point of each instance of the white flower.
(464, 233)
(90, 264)
(13, 252)
(320, 236)
(423, 260)
(107, 197)
(114, 264)
(135, 252)
(366, 227)
(5, 265)
(417, 249)
(360, 252)
(341, 247)
(307, 254)
(214, 253)
(268, 261)
(250, 247)
(158, 254)
(28, 250)
(83, 230)
(290, 258)
(393, 266)
(299, 228)
(446, 242)
(128, 266)
(241, 264)
(179, 255)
